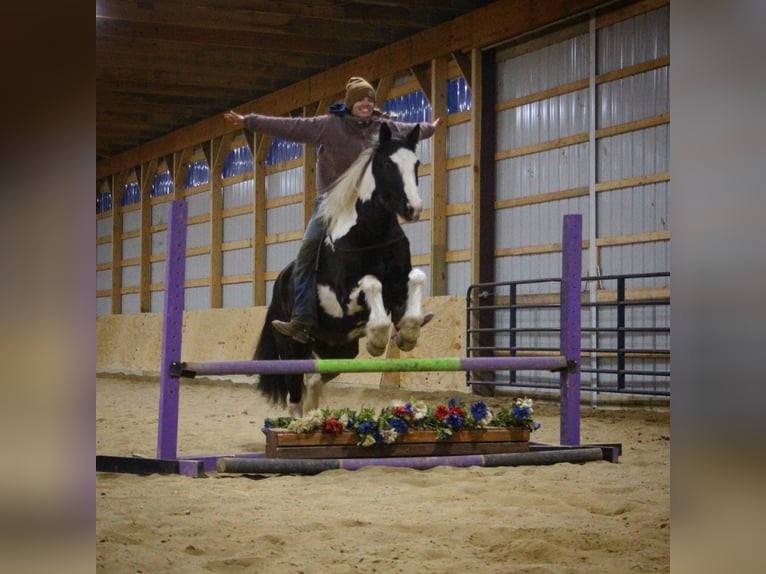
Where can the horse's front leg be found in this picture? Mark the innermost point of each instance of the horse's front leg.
(312, 392)
(379, 324)
(409, 326)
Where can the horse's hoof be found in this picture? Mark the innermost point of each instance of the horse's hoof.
(375, 351)
(403, 344)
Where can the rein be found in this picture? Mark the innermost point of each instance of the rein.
(368, 247)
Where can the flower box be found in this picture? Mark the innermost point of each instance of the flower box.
(281, 443)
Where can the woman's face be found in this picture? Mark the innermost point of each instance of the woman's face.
(363, 108)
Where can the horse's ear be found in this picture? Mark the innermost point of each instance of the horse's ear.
(385, 133)
(413, 137)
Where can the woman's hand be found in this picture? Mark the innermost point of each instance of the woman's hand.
(234, 118)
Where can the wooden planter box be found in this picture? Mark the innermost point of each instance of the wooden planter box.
(281, 443)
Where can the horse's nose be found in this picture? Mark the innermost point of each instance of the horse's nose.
(416, 210)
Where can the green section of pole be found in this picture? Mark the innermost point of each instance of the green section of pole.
(381, 365)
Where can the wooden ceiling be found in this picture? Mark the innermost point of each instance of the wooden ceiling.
(165, 64)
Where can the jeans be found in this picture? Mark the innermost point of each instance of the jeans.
(304, 274)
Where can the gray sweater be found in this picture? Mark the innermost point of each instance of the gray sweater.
(340, 138)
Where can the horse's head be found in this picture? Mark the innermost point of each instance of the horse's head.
(395, 170)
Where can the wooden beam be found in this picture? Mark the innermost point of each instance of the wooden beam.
(500, 21)
(438, 264)
(148, 172)
(463, 62)
(220, 148)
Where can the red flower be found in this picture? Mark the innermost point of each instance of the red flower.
(457, 410)
(441, 412)
(332, 425)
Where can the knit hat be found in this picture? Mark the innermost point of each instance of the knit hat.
(356, 89)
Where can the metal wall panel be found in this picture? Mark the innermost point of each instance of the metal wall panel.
(157, 301)
(131, 248)
(198, 235)
(419, 235)
(424, 187)
(237, 295)
(104, 227)
(637, 258)
(103, 253)
(198, 203)
(237, 261)
(103, 306)
(238, 194)
(542, 172)
(459, 138)
(284, 183)
(458, 277)
(458, 233)
(536, 224)
(196, 298)
(633, 98)
(541, 121)
(278, 255)
(238, 227)
(284, 219)
(103, 279)
(459, 184)
(131, 275)
(157, 272)
(160, 213)
(642, 152)
(198, 266)
(639, 39)
(159, 242)
(131, 221)
(131, 303)
(555, 65)
(633, 210)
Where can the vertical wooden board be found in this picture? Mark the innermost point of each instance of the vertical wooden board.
(444, 336)
(129, 342)
(221, 334)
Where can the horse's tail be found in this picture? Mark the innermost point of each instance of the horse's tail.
(274, 388)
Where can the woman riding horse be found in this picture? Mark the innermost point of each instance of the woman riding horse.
(365, 280)
(349, 128)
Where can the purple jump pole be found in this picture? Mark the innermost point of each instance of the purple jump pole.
(571, 269)
(175, 274)
(317, 465)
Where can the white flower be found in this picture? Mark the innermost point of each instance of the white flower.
(420, 410)
(525, 404)
(486, 420)
(313, 420)
(389, 435)
(368, 441)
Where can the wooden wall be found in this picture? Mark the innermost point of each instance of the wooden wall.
(131, 343)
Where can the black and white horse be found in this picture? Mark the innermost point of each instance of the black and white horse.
(365, 281)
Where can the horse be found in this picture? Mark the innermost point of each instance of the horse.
(365, 280)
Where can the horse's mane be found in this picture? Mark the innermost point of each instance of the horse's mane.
(338, 209)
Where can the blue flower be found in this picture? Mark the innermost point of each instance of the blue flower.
(520, 412)
(366, 427)
(454, 421)
(452, 403)
(479, 410)
(399, 425)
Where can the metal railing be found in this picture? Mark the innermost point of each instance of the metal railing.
(625, 331)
